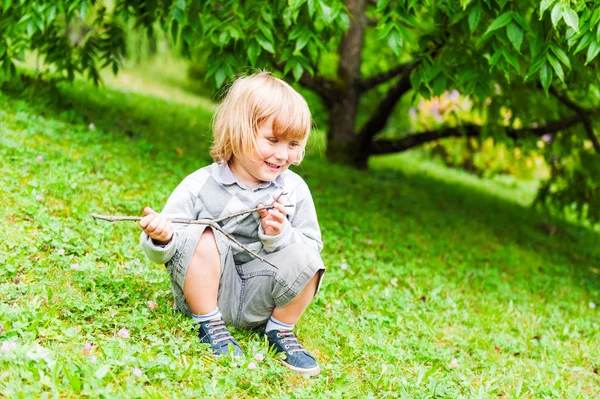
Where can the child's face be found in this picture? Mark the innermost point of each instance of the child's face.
(274, 155)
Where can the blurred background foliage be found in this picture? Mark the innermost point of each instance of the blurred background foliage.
(504, 90)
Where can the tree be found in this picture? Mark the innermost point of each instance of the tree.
(362, 57)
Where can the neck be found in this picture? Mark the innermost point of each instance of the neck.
(248, 180)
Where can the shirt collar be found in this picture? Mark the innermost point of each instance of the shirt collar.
(226, 177)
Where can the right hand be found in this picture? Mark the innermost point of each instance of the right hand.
(159, 228)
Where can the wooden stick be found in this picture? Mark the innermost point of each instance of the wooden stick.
(117, 218)
(206, 222)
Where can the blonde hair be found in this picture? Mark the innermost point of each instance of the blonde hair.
(249, 102)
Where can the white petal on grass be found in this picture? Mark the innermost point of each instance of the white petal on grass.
(123, 333)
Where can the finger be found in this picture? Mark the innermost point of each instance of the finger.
(154, 224)
(278, 216)
(164, 236)
(146, 220)
(280, 207)
(161, 226)
(274, 224)
(150, 211)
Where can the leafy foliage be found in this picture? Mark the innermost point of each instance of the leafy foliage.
(359, 56)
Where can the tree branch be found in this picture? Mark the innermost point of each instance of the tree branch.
(325, 88)
(378, 120)
(372, 21)
(582, 112)
(380, 147)
(375, 80)
(207, 222)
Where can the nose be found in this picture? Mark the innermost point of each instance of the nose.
(282, 153)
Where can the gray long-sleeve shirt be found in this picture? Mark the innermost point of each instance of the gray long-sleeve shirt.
(214, 191)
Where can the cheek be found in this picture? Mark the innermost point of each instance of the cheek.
(264, 150)
(294, 154)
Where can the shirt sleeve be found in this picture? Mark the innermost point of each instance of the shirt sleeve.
(182, 204)
(301, 227)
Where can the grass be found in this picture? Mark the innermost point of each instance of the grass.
(425, 265)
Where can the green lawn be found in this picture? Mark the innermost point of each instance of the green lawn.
(425, 265)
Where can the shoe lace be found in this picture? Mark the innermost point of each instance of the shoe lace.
(217, 328)
(289, 336)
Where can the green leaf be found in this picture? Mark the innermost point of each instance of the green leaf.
(495, 58)
(188, 35)
(593, 51)
(500, 22)
(220, 76)
(544, 6)
(474, 17)
(264, 43)
(557, 68)
(302, 40)
(311, 7)
(561, 55)
(598, 34)
(511, 58)
(535, 66)
(595, 17)
(546, 76)
(31, 27)
(515, 35)
(572, 19)
(179, 16)
(266, 31)
(394, 40)
(557, 13)
(585, 41)
(254, 51)
(174, 30)
(326, 11)
(524, 25)
(297, 70)
(6, 5)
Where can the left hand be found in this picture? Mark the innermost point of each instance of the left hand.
(272, 220)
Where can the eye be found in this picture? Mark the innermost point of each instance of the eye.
(294, 144)
(272, 139)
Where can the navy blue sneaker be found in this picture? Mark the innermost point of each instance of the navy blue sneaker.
(215, 333)
(297, 357)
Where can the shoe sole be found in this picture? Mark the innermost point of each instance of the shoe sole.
(305, 372)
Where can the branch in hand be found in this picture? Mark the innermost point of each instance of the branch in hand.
(207, 222)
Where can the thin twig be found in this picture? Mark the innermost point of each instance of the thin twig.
(116, 218)
(207, 222)
(226, 234)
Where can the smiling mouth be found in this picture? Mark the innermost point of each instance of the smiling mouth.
(273, 166)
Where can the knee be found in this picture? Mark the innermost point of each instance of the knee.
(207, 245)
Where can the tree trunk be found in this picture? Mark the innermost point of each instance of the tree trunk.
(342, 140)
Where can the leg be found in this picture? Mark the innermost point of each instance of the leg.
(201, 286)
(291, 313)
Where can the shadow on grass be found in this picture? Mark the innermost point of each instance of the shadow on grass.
(414, 212)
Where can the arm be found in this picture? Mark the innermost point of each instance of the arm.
(301, 227)
(181, 204)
